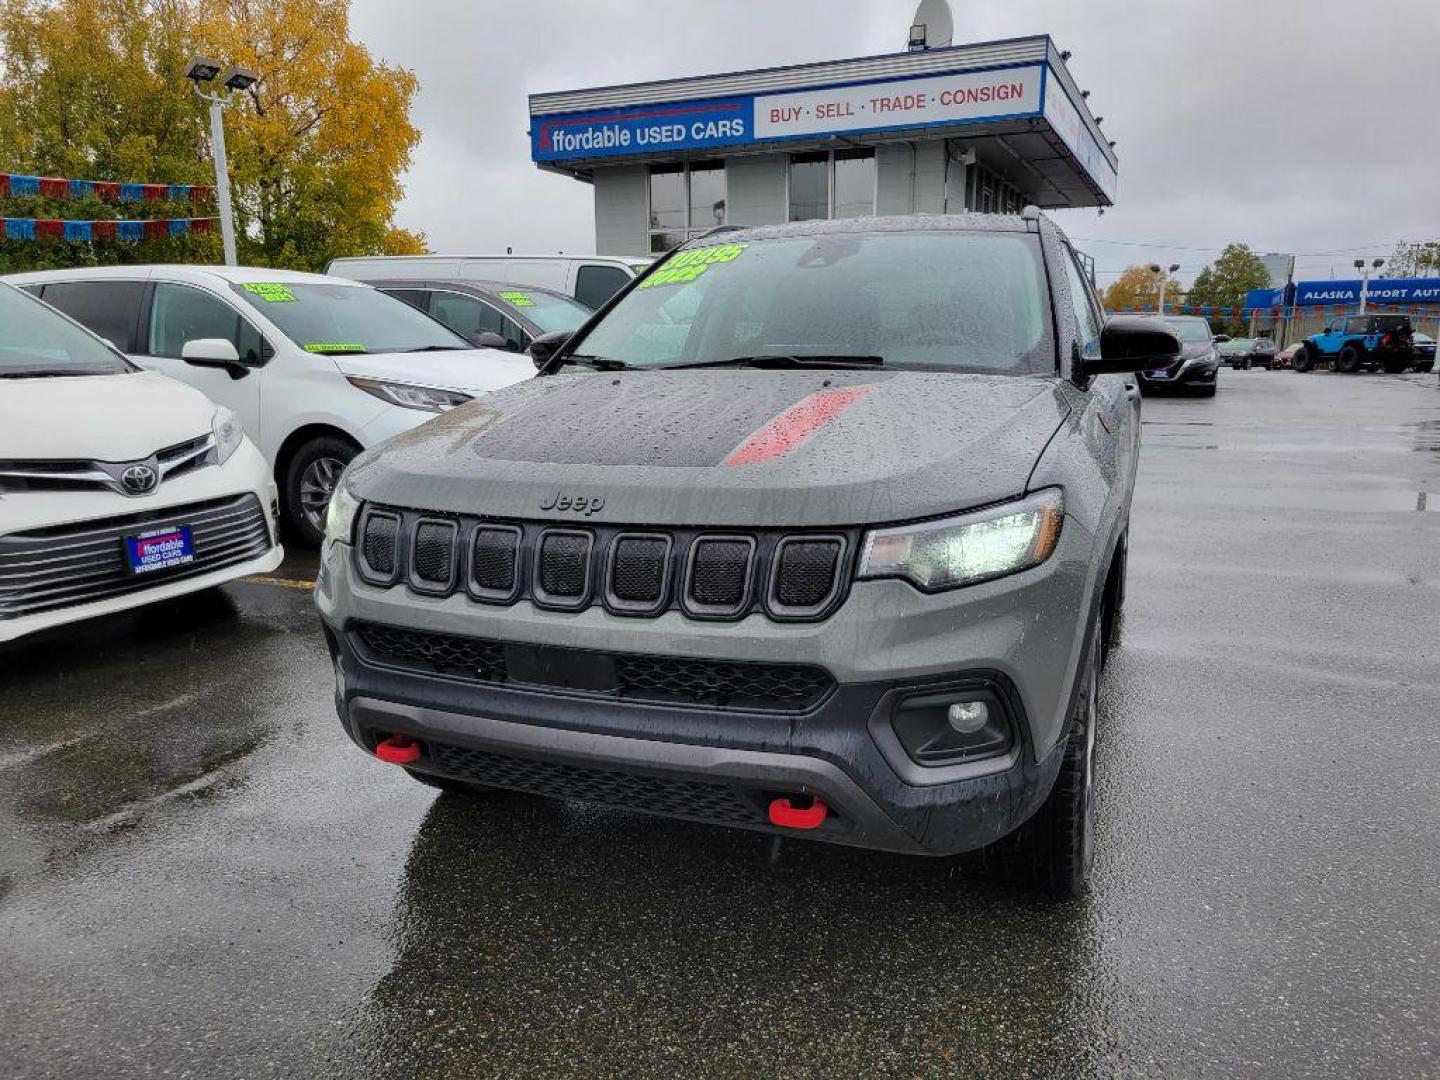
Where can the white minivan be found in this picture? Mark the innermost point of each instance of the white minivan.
(317, 368)
(118, 486)
(591, 279)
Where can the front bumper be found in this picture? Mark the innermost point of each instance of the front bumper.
(1189, 373)
(1024, 632)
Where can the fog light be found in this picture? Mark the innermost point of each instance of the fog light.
(968, 717)
(950, 726)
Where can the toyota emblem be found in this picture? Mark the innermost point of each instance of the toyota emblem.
(139, 479)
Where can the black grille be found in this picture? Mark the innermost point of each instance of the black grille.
(669, 680)
(494, 553)
(435, 552)
(661, 795)
(378, 543)
(64, 565)
(806, 575)
(637, 574)
(564, 564)
(719, 572)
(445, 653)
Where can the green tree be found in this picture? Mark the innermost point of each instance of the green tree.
(1414, 260)
(95, 89)
(1225, 282)
(1139, 287)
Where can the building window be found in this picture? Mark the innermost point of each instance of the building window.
(839, 184)
(685, 200)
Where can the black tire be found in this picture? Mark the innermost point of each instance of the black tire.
(318, 463)
(1349, 360)
(449, 784)
(1304, 359)
(1395, 365)
(1054, 850)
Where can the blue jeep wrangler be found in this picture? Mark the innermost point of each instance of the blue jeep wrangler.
(1361, 341)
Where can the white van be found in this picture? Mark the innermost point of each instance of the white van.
(591, 279)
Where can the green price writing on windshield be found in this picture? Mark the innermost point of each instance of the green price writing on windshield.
(334, 346)
(517, 299)
(271, 291)
(689, 265)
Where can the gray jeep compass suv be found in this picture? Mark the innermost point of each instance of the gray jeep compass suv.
(815, 529)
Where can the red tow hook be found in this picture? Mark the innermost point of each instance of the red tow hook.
(398, 750)
(787, 815)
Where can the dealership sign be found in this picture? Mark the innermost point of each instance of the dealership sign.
(1404, 291)
(963, 97)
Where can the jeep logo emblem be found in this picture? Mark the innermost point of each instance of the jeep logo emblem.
(138, 479)
(575, 504)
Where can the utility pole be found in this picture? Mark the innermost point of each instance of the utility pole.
(233, 78)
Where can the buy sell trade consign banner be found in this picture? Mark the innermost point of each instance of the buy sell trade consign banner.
(958, 98)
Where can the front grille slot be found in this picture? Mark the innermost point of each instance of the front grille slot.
(662, 795)
(62, 566)
(666, 680)
(639, 572)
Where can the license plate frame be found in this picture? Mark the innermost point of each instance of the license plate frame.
(154, 550)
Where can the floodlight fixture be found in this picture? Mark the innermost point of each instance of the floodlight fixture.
(202, 69)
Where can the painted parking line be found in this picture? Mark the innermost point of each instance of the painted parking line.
(284, 583)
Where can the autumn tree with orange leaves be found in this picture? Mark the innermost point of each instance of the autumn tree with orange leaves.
(96, 89)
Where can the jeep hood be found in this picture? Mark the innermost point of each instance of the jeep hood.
(725, 447)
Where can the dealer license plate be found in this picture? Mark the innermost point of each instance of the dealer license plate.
(1158, 373)
(159, 549)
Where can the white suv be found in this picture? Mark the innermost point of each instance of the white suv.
(317, 368)
(118, 487)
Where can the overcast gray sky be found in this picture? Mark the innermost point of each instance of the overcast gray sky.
(1293, 125)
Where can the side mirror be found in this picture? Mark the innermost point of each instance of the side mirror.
(487, 339)
(214, 353)
(547, 345)
(1219, 338)
(1132, 344)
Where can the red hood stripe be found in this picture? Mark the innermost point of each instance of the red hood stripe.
(796, 424)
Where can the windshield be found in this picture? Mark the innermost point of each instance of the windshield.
(326, 318)
(948, 300)
(546, 310)
(1191, 330)
(35, 341)
(1239, 344)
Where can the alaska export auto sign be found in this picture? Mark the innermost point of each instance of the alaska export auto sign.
(959, 98)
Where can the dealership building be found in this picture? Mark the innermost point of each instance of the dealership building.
(988, 127)
(1294, 311)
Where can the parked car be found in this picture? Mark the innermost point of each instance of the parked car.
(488, 313)
(831, 546)
(317, 368)
(591, 279)
(1239, 353)
(1265, 353)
(1196, 369)
(1424, 346)
(1285, 358)
(1356, 341)
(118, 487)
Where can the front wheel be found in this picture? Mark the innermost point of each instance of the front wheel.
(310, 480)
(1349, 360)
(1056, 847)
(1304, 360)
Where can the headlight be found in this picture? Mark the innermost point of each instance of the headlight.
(985, 544)
(340, 515)
(411, 397)
(228, 434)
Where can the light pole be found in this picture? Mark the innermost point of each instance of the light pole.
(1164, 281)
(232, 79)
(1155, 269)
(1365, 279)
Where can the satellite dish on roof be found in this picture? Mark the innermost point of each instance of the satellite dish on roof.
(932, 27)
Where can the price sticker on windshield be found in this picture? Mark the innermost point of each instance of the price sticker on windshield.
(270, 291)
(689, 265)
(516, 299)
(334, 347)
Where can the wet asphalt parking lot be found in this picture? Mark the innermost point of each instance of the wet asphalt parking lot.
(200, 875)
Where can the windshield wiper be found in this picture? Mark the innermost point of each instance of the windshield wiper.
(49, 373)
(437, 348)
(785, 360)
(603, 363)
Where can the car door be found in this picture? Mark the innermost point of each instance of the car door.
(1114, 399)
(177, 313)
